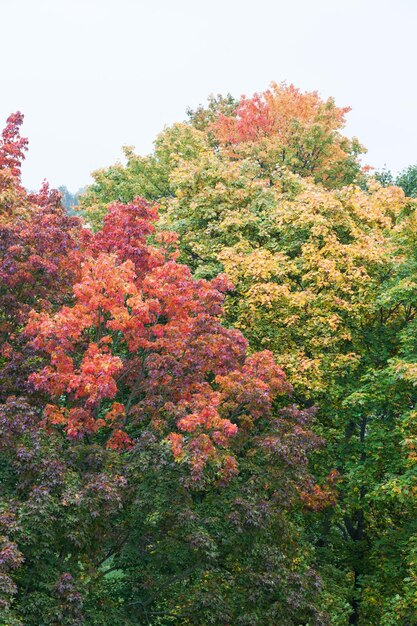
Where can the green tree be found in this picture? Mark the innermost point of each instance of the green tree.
(407, 180)
(314, 263)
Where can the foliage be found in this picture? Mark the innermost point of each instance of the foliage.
(161, 468)
(155, 471)
(283, 126)
(406, 179)
(321, 257)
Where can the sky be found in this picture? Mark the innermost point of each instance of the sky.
(93, 75)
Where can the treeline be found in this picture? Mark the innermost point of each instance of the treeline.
(406, 179)
(208, 395)
(70, 200)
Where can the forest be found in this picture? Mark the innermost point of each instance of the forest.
(208, 379)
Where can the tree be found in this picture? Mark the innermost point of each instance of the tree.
(307, 265)
(389, 394)
(40, 254)
(307, 255)
(141, 356)
(407, 180)
(283, 126)
(154, 472)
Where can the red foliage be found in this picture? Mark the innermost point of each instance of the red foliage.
(12, 145)
(131, 340)
(143, 332)
(316, 497)
(274, 113)
(40, 253)
(252, 119)
(126, 228)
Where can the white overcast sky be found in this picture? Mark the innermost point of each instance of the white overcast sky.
(93, 75)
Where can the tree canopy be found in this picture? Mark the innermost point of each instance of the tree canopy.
(208, 381)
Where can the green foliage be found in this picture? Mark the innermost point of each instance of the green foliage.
(384, 177)
(407, 180)
(101, 520)
(324, 277)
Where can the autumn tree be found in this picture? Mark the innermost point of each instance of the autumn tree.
(272, 194)
(284, 126)
(155, 469)
(142, 356)
(307, 265)
(39, 256)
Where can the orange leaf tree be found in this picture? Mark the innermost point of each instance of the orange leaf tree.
(143, 344)
(133, 381)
